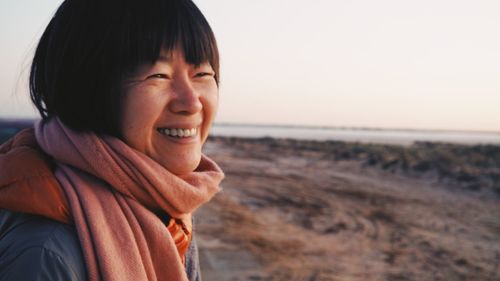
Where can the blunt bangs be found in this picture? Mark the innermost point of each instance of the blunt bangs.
(90, 46)
(165, 26)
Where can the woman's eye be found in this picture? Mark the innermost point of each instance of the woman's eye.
(158, 75)
(204, 74)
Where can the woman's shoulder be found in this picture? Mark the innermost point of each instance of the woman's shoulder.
(36, 248)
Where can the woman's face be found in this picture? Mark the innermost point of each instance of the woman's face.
(168, 109)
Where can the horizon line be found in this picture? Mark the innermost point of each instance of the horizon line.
(357, 128)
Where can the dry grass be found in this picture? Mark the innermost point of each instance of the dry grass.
(295, 210)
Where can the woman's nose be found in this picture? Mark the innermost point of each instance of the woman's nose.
(185, 99)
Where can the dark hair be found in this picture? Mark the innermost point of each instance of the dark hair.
(89, 46)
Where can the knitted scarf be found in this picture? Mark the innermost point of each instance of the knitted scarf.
(113, 192)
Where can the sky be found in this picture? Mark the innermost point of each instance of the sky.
(427, 64)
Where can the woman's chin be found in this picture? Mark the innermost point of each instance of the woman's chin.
(185, 166)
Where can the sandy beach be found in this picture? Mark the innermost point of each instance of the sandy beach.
(305, 210)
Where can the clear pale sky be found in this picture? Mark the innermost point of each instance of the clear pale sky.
(426, 64)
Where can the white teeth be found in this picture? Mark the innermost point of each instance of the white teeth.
(179, 132)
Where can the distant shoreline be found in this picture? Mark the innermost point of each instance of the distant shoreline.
(353, 128)
(466, 166)
(371, 135)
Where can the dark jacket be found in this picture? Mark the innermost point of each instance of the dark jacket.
(35, 248)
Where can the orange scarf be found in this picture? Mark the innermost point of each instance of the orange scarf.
(110, 192)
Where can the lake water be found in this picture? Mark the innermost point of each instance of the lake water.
(402, 137)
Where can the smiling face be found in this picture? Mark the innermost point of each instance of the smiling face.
(168, 109)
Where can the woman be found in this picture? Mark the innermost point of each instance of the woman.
(104, 186)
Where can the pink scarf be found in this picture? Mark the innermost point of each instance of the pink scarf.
(112, 191)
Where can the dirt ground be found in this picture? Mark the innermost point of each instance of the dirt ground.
(296, 215)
